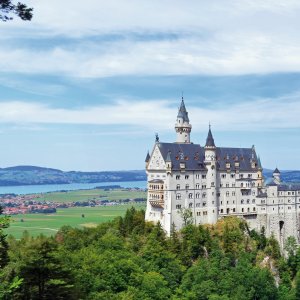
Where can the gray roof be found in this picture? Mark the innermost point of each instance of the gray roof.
(182, 113)
(276, 171)
(289, 187)
(168, 159)
(193, 157)
(210, 140)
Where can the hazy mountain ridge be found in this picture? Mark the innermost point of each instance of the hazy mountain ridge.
(29, 175)
(286, 175)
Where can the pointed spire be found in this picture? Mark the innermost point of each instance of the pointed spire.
(168, 159)
(182, 113)
(210, 140)
(147, 157)
(276, 171)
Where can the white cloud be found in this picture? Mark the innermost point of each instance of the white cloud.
(216, 37)
(234, 54)
(268, 114)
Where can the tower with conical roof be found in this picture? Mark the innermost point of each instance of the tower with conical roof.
(183, 127)
(211, 177)
(276, 176)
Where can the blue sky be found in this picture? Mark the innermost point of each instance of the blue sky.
(86, 85)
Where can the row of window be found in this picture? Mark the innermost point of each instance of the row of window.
(156, 187)
(203, 176)
(188, 176)
(289, 193)
(156, 197)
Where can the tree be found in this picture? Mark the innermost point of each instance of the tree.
(291, 246)
(4, 223)
(37, 263)
(187, 216)
(7, 9)
(298, 285)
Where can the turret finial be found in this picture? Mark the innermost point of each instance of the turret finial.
(156, 138)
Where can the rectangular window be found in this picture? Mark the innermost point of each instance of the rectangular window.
(186, 176)
(178, 206)
(203, 176)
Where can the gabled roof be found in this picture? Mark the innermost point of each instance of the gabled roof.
(276, 171)
(193, 155)
(182, 113)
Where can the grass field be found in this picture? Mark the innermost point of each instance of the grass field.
(49, 224)
(95, 194)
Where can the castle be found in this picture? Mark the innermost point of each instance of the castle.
(213, 182)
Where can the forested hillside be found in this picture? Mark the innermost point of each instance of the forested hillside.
(28, 175)
(129, 258)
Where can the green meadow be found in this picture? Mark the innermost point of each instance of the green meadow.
(49, 224)
(95, 194)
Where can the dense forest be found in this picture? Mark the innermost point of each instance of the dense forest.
(129, 258)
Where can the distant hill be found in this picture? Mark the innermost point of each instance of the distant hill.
(286, 175)
(28, 175)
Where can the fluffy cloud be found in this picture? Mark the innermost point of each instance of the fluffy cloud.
(159, 115)
(241, 37)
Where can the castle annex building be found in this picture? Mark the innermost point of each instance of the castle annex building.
(215, 182)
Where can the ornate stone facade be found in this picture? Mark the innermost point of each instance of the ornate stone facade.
(215, 182)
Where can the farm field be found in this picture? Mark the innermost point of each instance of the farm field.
(49, 224)
(95, 194)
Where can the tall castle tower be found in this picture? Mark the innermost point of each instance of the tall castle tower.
(183, 127)
(211, 177)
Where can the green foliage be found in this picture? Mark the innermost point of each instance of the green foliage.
(186, 215)
(21, 10)
(130, 259)
(36, 261)
(272, 248)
